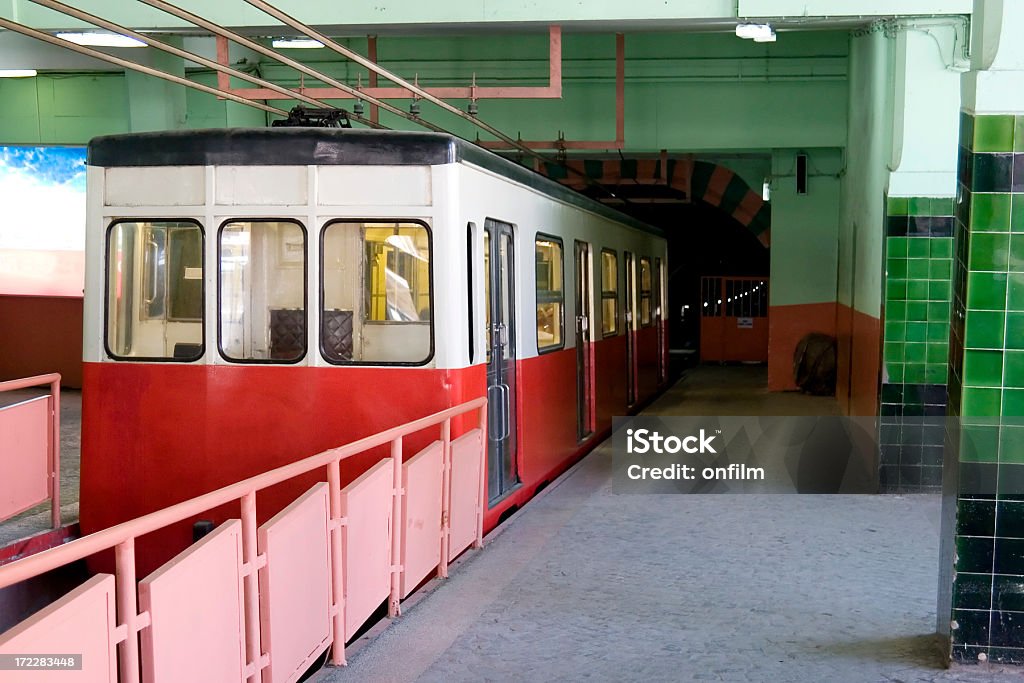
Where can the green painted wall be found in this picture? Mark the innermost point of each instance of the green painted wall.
(805, 228)
(62, 108)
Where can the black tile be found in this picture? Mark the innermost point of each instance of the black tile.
(978, 480)
(910, 476)
(935, 410)
(892, 393)
(931, 477)
(972, 591)
(1007, 629)
(888, 478)
(942, 226)
(932, 455)
(976, 518)
(991, 172)
(972, 627)
(1006, 655)
(913, 433)
(1018, 173)
(933, 435)
(964, 166)
(1008, 593)
(967, 654)
(919, 226)
(935, 394)
(973, 555)
(910, 454)
(891, 410)
(889, 455)
(1011, 481)
(896, 226)
(1010, 520)
(889, 433)
(1009, 556)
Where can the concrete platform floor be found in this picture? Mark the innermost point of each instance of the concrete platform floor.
(586, 585)
(37, 519)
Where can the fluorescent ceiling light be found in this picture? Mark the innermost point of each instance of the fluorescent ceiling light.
(97, 39)
(17, 73)
(297, 43)
(759, 33)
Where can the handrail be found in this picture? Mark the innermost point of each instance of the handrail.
(105, 539)
(53, 454)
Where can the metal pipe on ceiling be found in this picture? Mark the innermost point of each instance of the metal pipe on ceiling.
(288, 61)
(185, 54)
(133, 66)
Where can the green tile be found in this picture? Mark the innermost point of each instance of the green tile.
(977, 402)
(915, 352)
(917, 311)
(986, 291)
(896, 373)
(895, 331)
(918, 247)
(1018, 133)
(935, 373)
(990, 212)
(938, 311)
(897, 206)
(941, 247)
(1017, 213)
(993, 133)
(984, 329)
(919, 206)
(892, 352)
(896, 247)
(938, 352)
(983, 368)
(896, 310)
(1015, 330)
(917, 268)
(979, 443)
(1016, 262)
(1015, 292)
(989, 251)
(913, 373)
(917, 332)
(896, 290)
(938, 332)
(1013, 406)
(917, 290)
(940, 269)
(943, 206)
(896, 269)
(1013, 369)
(938, 290)
(1011, 439)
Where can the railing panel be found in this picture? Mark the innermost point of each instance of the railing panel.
(295, 585)
(421, 516)
(24, 455)
(80, 623)
(195, 603)
(465, 491)
(366, 504)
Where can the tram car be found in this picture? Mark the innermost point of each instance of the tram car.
(256, 296)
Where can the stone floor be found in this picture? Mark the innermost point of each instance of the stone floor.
(585, 584)
(37, 519)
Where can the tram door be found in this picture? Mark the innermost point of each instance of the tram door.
(499, 279)
(584, 350)
(630, 336)
(659, 313)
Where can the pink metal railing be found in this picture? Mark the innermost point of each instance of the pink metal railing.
(130, 622)
(30, 449)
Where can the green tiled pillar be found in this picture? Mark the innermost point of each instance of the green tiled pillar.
(982, 572)
(915, 354)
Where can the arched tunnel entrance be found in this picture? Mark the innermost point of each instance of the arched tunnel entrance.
(716, 224)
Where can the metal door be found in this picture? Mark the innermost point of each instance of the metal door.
(584, 349)
(499, 278)
(630, 335)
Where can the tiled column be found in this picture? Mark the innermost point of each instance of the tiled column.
(919, 250)
(981, 572)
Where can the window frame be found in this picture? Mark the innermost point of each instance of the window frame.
(430, 279)
(615, 297)
(106, 291)
(471, 299)
(647, 294)
(305, 290)
(539, 237)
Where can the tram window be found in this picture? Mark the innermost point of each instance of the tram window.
(609, 293)
(262, 286)
(645, 292)
(154, 305)
(376, 281)
(550, 297)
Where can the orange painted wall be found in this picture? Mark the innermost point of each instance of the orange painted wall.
(787, 325)
(41, 334)
(859, 358)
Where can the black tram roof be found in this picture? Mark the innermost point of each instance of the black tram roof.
(326, 147)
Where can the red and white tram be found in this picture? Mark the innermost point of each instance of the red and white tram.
(256, 296)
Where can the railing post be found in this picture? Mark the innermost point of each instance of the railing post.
(337, 569)
(394, 606)
(127, 609)
(254, 654)
(55, 452)
(446, 496)
(481, 504)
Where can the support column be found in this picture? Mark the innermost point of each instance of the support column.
(981, 585)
